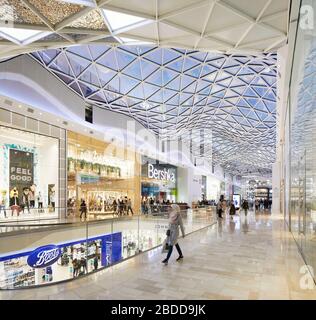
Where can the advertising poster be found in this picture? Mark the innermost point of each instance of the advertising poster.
(21, 169)
(111, 249)
(236, 199)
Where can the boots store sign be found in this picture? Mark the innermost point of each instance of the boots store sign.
(44, 256)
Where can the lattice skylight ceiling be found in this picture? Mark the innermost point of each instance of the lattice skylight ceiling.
(176, 92)
(227, 26)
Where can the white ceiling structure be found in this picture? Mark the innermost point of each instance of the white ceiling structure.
(204, 71)
(222, 106)
(227, 26)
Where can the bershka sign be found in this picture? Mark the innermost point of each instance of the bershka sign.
(44, 256)
(160, 174)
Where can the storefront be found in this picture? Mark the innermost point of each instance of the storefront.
(54, 263)
(159, 180)
(29, 165)
(263, 193)
(101, 174)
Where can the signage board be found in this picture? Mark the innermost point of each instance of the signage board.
(21, 173)
(44, 256)
(236, 199)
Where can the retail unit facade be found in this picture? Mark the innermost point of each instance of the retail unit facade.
(100, 172)
(158, 180)
(33, 168)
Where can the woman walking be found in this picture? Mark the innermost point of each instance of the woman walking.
(175, 221)
(232, 209)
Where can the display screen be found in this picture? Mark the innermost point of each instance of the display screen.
(21, 169)
(236, 199)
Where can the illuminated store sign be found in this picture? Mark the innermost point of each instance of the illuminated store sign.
(44, 256)
(160, 174)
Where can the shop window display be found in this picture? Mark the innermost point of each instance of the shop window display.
(100, 174)
(74, 260)
(29, 165)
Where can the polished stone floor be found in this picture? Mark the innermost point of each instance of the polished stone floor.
(243, 258)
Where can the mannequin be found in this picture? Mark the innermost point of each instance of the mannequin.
(3, 202)
(40, 202)
(32, 195)
(52, 198)
(14, 201)
(26, 199)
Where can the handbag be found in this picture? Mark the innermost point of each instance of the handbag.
(165, 246)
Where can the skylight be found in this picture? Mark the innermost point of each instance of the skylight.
(119, 21)
(20, 35)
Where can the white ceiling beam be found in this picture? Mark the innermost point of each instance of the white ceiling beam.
(39, 14)
(273, 16)
(128, 11)
(245, 16)
(69, 20)
(262, 11)
(181, 10)
(138, 38)
(44, 19)
(196, 33)
(258, 42)
(208, 17)
(228, 28)
(275, 44)
(157, 24)
(83, 31)
(94, 38)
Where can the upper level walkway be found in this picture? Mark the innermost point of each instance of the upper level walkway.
(243, 258)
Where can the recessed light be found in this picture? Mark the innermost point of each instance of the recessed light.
(20, 106)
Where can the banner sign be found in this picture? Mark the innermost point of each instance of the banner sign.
(21, 169)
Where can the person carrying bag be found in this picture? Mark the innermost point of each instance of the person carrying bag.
(175, 221)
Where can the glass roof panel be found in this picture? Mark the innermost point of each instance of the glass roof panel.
(229, 94)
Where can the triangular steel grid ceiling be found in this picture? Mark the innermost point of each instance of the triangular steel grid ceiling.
(173, 91)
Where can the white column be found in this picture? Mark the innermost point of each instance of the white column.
(276, 183)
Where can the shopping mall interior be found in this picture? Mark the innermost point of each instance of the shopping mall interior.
(131, 127)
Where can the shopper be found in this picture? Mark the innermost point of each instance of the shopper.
(40, 202)
(257, 204)
(245, 207)
(121, 206)
(129, 206)
(175, 221)
(52, 200)
(75, 266)
(83, 209)
(232, 209)
(95, 262)
(220, 207)
(114, 205)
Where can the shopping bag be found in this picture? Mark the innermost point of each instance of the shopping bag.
(165, 246)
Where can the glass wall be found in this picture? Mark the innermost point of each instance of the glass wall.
(102, 174)
(301, 134)
(29, 175)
